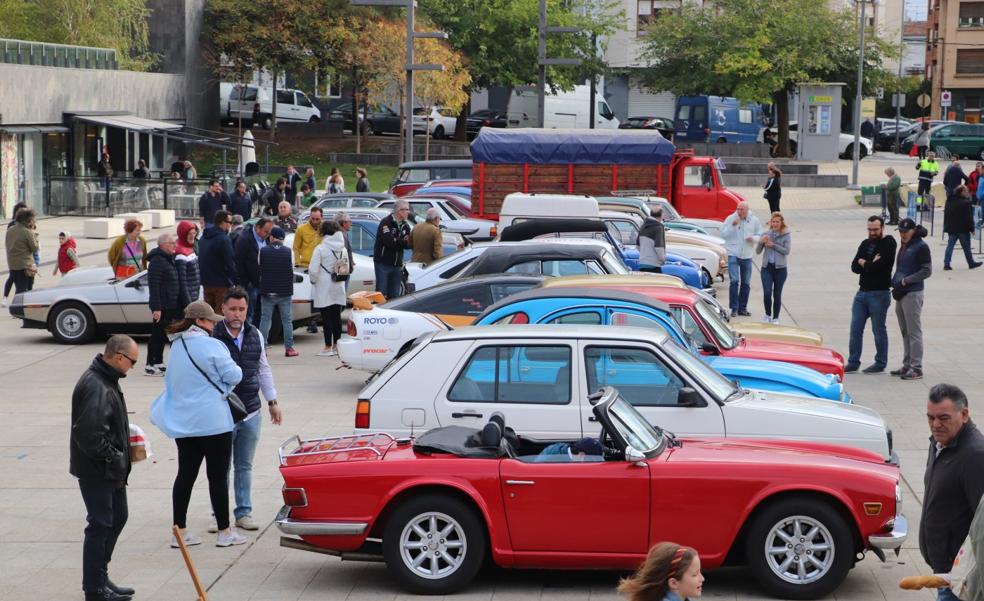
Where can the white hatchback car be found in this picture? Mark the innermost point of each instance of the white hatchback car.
(440, 122)
(539, 378)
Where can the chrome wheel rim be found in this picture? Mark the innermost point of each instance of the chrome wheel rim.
(799, 549)
(71, 323)
(433, 545)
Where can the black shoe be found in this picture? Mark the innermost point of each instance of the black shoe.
(873, 369)
(312, 328)
(744, 314)
(106, 595)
(975, 265)
(898, 372)
(947, 268)
(850, 369)
(734, 313)
(119, 590)
(912, 374)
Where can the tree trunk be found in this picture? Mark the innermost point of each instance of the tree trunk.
(781, 101)
(461, 126)
(356, 100)
(273, 113)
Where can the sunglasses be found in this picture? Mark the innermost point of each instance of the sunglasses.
(133, 362)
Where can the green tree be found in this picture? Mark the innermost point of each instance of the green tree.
(759, 51)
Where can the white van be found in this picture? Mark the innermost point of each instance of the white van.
(254, 104)
(519, 206)
(566, 110)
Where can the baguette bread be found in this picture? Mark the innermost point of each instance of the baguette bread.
(915, 583)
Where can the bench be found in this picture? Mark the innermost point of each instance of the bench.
(157, 218)
(102, 228)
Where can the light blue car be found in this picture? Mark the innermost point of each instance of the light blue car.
(585, 306)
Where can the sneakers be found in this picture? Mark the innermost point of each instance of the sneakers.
(328, 353)
(947, 268)
(312, 328)
(766, 319)
(898, 372)
(774, 321)
(872, 370)
(291, 353)
(913, 374)
(152, 370)
(744, 313)
(734, 313)
(247, 523)
(975, 265)
(228, 539)
(190, 540)
(852, 368)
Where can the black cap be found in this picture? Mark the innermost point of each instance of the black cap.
(907, 225)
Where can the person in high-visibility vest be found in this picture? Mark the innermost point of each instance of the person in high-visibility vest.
(928, 168)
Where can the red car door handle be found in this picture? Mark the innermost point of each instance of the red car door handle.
(520, 482)
(466, 415)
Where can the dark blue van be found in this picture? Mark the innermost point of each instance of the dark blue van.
(717, 119)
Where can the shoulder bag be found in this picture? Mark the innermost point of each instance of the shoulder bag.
(236, 405)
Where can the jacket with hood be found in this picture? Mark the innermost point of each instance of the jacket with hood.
(186, 262)
(216, 259)
(652, 243)
(100, 437)
(327, 292)
(958, 215)
(914, 263)
(21, 244)
(162, 279)
(68, 258)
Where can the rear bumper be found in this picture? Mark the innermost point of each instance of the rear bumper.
(894, 539)
(310, 528)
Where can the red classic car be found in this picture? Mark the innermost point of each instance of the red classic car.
(716, 338)
(434, 508)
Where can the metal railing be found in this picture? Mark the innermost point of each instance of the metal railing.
(99, 197)
(22, 52)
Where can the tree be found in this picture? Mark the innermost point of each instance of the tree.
(758, 51)
(498, 38)
(441, 88)
(117, 24)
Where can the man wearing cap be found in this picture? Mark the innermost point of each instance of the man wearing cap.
(913, 265)
(277, 287)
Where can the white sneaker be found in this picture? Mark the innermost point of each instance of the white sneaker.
(229, 539)
(766, 319)
(3, 302)
(151, 370)
(190, 540)
(247, 523)
(775, 320)
(328, 353)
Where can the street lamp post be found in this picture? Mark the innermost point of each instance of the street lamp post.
(411, 6)
(898, 104)
(543, 61)
(857, 102)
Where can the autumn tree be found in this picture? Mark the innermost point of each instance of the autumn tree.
(445, 89)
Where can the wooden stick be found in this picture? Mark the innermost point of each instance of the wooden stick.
(202, 595)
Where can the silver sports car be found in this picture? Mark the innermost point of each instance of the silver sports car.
(91, 301)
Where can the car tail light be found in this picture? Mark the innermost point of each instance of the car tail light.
(486, 122)
(350, 328)
(362, 413)
(520, 318)
(294, 497)
(494, 230)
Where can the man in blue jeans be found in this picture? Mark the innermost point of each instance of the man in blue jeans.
(392, 238)
(873, 263)
(958, 224)
(247, 255)
(740, 231)
(277, 288)
(246, 345)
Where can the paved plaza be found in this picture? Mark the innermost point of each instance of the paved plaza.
(42, 516)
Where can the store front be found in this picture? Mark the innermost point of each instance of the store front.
(29, 154)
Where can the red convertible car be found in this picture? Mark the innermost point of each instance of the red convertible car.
(434, 508)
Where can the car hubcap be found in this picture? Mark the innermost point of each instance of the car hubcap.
(799, 549)
(433, 545)
(71, 323)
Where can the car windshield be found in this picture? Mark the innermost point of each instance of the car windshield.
(634, 429)
(724, 335)
(613, 263)
(421, 111)
(713, 381)
(453, 208)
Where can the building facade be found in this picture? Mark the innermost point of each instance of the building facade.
(955, 58)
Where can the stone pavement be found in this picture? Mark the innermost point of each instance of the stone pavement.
(42, 516)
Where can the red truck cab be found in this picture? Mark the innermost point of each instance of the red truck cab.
(696, 187)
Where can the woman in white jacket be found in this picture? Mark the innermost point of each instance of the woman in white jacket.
(329, 293)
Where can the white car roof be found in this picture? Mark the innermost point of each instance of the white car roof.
(547, 331)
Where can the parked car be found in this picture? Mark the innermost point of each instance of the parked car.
(845, 148)
(711, 227)
(664, 125)
(452, 217)
(90, 301)
(489, 118)
(380, 119)
(487, 491)
(255, 105)
(346, 200)
(436, 121)
(363, 239)
(959, 139)
(414, 174)
(703, 250)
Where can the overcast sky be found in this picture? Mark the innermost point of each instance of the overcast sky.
(915, 10)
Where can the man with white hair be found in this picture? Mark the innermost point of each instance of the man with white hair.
(426, 239)
(392, 238)
(167, 299)
(740, 231)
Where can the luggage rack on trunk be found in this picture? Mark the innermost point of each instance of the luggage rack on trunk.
(335, 444)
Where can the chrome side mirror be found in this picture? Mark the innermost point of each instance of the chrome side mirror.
(633, 455)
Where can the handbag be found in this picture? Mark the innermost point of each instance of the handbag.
(236, 405)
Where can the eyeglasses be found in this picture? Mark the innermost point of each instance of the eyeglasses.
(133, 362)
(229, 221)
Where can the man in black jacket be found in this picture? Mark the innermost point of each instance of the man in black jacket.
(277, 287)
(392, 238)
(248, 246)
(272, 197)
(953, 177)
(167, 299)
(213, 200)
(954, 481)
(958, 224)
(292, 179)
(217, 260)
(873, 264)
(99, 456)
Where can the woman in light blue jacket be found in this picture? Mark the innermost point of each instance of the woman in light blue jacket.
(776, 244)
(193, 412)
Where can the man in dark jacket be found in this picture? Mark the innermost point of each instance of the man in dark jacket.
(217, 260)
(652, 243)
(240, 202)
(248, 247)
(213, 200)
(913, 265)
(873, 264)
(167, 299)
(99, 456)
(958, 224)
(272, 197)
(392, 238)
(277, 287)
(293, 179)
(953, 177)
(954, 481)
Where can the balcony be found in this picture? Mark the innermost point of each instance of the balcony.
(21, 52)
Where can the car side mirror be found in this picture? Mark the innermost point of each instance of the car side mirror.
(688, 397)
(633, 455)
(707, 347)
(134, 284)
(298, 278)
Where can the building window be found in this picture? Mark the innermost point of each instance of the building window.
(971, 14)
(649, 10)
(970, 62)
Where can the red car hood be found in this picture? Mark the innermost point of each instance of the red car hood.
(731, 450)
(820, 358)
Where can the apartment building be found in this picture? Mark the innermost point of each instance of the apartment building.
(955, 57)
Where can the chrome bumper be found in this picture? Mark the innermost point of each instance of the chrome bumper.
(894, 539)
(307, 528)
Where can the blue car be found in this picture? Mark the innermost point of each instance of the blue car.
(584, 306)
(363, 238)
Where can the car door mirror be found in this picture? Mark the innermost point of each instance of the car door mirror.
(135, 284)
(688, 397)
(634, 455)
(298, 278)
(707, 347)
